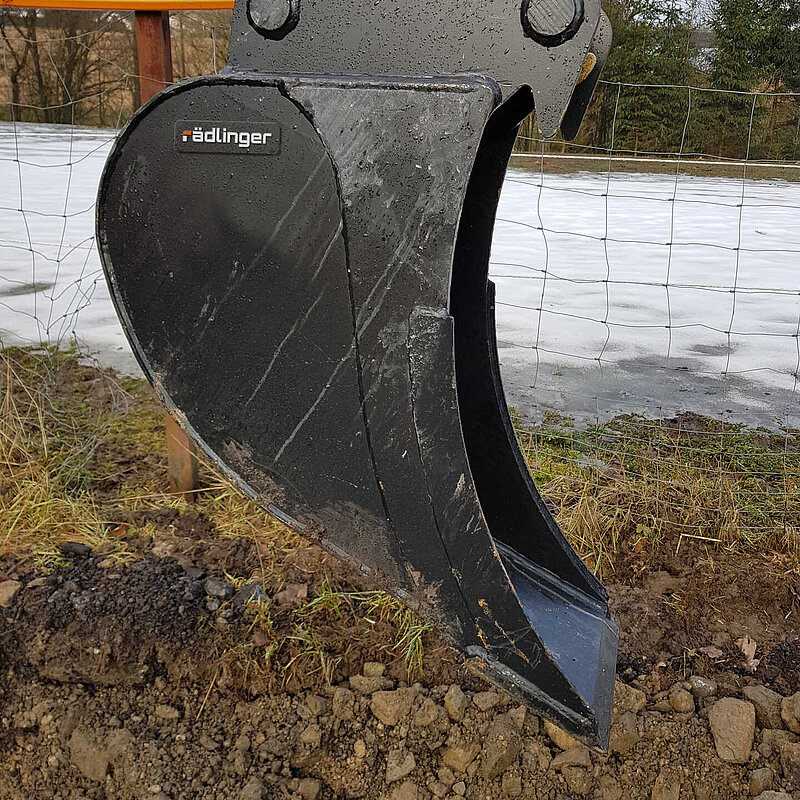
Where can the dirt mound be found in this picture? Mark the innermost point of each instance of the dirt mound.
(128, 682)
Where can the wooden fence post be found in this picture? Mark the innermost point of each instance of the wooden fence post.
(155, 72)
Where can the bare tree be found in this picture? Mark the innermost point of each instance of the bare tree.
(67, 66)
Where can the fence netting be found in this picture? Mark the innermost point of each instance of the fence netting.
(648, 290)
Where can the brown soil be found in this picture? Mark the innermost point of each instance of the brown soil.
(561, 165)
(119, 682)
(682, 604)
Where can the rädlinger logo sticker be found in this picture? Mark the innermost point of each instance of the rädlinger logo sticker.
(213, 136)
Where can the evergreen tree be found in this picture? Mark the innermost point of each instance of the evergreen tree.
(653, 45)
(779, 61)
(737, 66)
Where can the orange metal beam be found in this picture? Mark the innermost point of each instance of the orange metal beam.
(123, 5)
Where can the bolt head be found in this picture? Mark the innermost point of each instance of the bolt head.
(271, 16)
(551, 22)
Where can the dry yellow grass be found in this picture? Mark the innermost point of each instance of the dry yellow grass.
(79, 446)
(651, 485)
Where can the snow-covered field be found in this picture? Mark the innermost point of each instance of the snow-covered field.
(657, 294)
(52, 286)
(629, 322)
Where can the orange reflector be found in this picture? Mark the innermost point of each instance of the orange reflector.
(588, 66)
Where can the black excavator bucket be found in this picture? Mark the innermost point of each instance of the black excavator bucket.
(298, 250)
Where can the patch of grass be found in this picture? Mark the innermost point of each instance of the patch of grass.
(313, 654)
(561, 166)
(644, 486)
(45, 452)
(370, 608)
(409, 642)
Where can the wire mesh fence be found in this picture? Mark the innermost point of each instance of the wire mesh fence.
(648, 318)
(70, 82)
(648, 290)
(656, 262)
(81, 67)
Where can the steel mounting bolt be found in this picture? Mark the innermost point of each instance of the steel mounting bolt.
(273, 18)
(551, 22)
